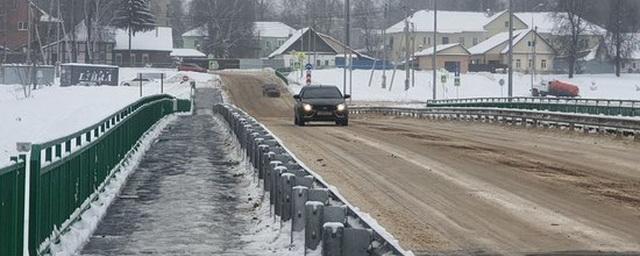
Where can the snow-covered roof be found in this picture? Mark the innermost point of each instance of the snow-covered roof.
(159, 39)
(495, 41)
(333, 43)
(185, 52)
(439, 48)
(103, 34)
(294, 37)
(273, 29)
(199, 32)
(262, 29)
(448, 22)
(546, 22)
(518, 36)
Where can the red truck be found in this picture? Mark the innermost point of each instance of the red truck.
(556, 88)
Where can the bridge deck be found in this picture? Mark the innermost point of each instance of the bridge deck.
(187, 197)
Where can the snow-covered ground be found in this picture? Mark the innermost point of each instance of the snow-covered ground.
(472, 85)
(52, 112)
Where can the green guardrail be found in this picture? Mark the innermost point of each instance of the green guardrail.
(629, 108)
(66, 172)
(282, 77)
(12, 181)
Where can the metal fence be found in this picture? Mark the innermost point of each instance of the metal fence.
(12, 179)
(569, 105)
(67, 173)
(620, 126)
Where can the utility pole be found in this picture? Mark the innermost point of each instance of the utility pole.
(407, 56)
(347, 39)
(413, 55)
(510, 48)
(435, 51)
(384, 48)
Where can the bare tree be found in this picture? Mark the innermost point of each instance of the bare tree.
(369, 22)
(229, 25)
(571, 25)
(621, 44)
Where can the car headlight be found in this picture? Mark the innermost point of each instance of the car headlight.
(341, 107)
(307, 107)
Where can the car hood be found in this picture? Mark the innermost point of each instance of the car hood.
(323, 101)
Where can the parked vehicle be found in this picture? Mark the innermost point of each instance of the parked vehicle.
(271, 90)
(321, 103)
(192, 68)
(135, 82)
(556, 88)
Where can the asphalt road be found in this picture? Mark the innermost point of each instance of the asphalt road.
(469, 188)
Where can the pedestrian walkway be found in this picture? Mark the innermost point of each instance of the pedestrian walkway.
(187, 197)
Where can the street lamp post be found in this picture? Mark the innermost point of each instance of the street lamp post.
(510, 91)
(435, 35)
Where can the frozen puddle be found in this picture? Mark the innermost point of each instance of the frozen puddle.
(192, 194)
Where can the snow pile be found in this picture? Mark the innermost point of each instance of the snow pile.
(472, 85)
(53, 112)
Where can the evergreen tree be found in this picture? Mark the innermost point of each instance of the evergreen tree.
(134, 16)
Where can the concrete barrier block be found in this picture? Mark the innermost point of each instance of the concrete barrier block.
(300, 197)
(313, 224)
(319, 195)
(269, 174)
(262, 155)
(335, 214)
(356, 242)
(306, 181)
(287, 182)
(332, 238)
(276, 187)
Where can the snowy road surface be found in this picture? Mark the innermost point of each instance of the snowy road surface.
(193, 194)
(458, 188)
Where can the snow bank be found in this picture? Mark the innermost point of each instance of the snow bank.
(53, 112)
(473, 85)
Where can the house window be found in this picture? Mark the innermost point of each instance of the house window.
(429, 40)
(132, 58)
(530, 63)
(326, 63)
(391, 42)
(22, 26)
(475, 40)
(119, 59)
(518, 64)
(445, 40)
(424, 40)
(634, 65)
(318, 63)
(543, 64)
(461, 40)
(268, 45)
(506, 24)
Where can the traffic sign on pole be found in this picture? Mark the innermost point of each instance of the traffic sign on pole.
(308, 66)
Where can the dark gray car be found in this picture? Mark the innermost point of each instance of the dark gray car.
(321, 103)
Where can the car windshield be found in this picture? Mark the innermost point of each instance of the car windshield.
(321, 93)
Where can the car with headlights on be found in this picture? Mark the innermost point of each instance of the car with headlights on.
(321, 103)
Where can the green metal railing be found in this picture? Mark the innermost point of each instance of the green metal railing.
(12, 181)
(68, 172)
(629, 108)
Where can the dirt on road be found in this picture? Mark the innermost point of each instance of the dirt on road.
(468, 188)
